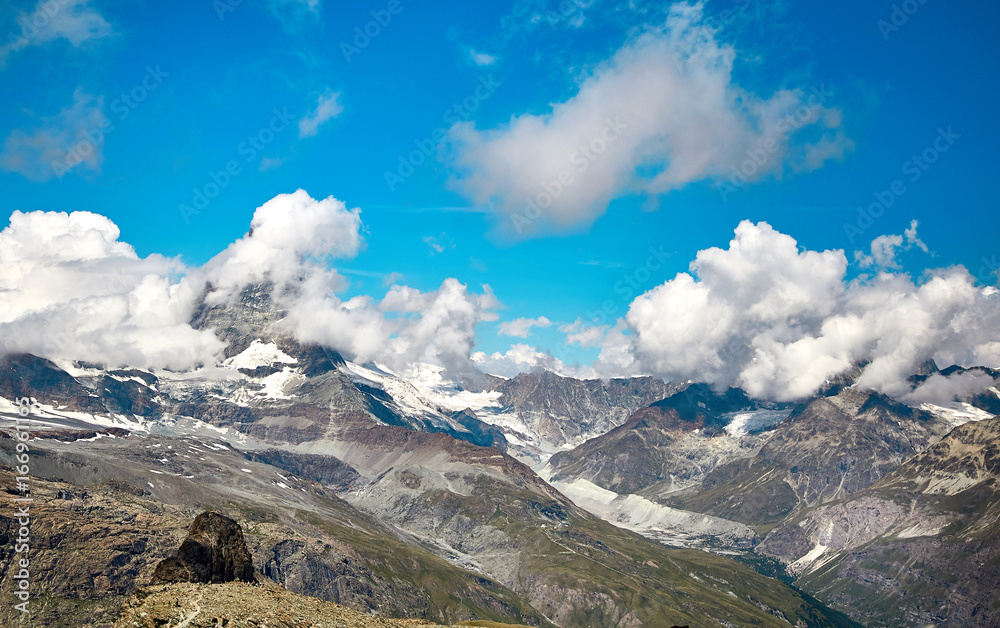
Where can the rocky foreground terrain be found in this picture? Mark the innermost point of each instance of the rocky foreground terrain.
(211, 582)
(241, 605)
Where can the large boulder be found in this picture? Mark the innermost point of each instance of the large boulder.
(213, 552)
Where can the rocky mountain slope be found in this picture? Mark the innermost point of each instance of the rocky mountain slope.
(663, 447)
(827, 449)
(96, 538)
(921, 546)
(549, 413)
(211, 581)
(448, 528)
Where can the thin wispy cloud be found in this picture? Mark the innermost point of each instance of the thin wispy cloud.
(481, 58)
(599, 263)
(75, 21)
(439, 243)
(521, 327)
(268, 163)
(445, 209)
(295, 15)
(327, 108)
(70, 141)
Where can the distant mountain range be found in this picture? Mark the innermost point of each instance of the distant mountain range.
(541, 500)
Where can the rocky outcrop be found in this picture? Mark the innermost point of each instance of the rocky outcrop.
(214, 551)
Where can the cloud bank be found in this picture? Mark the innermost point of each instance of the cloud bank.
(663, 112)
(762, 314)
(71, 290)
(780, 322)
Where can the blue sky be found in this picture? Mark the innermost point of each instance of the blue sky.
(216, 74)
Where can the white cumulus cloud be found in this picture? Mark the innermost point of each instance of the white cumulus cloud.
(663, 112)
(884, 248)
(70, 289)
(779, 322)
(289, 237)
(520, 358)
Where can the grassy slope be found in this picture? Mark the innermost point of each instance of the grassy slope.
(662, 586)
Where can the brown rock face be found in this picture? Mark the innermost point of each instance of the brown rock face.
(213, 552)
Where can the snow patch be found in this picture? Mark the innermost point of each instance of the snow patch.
(634, 512)
(810, 561)
(958, 413)
(42, 412)
(259, 354)
(743, 423)
(275, 385)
